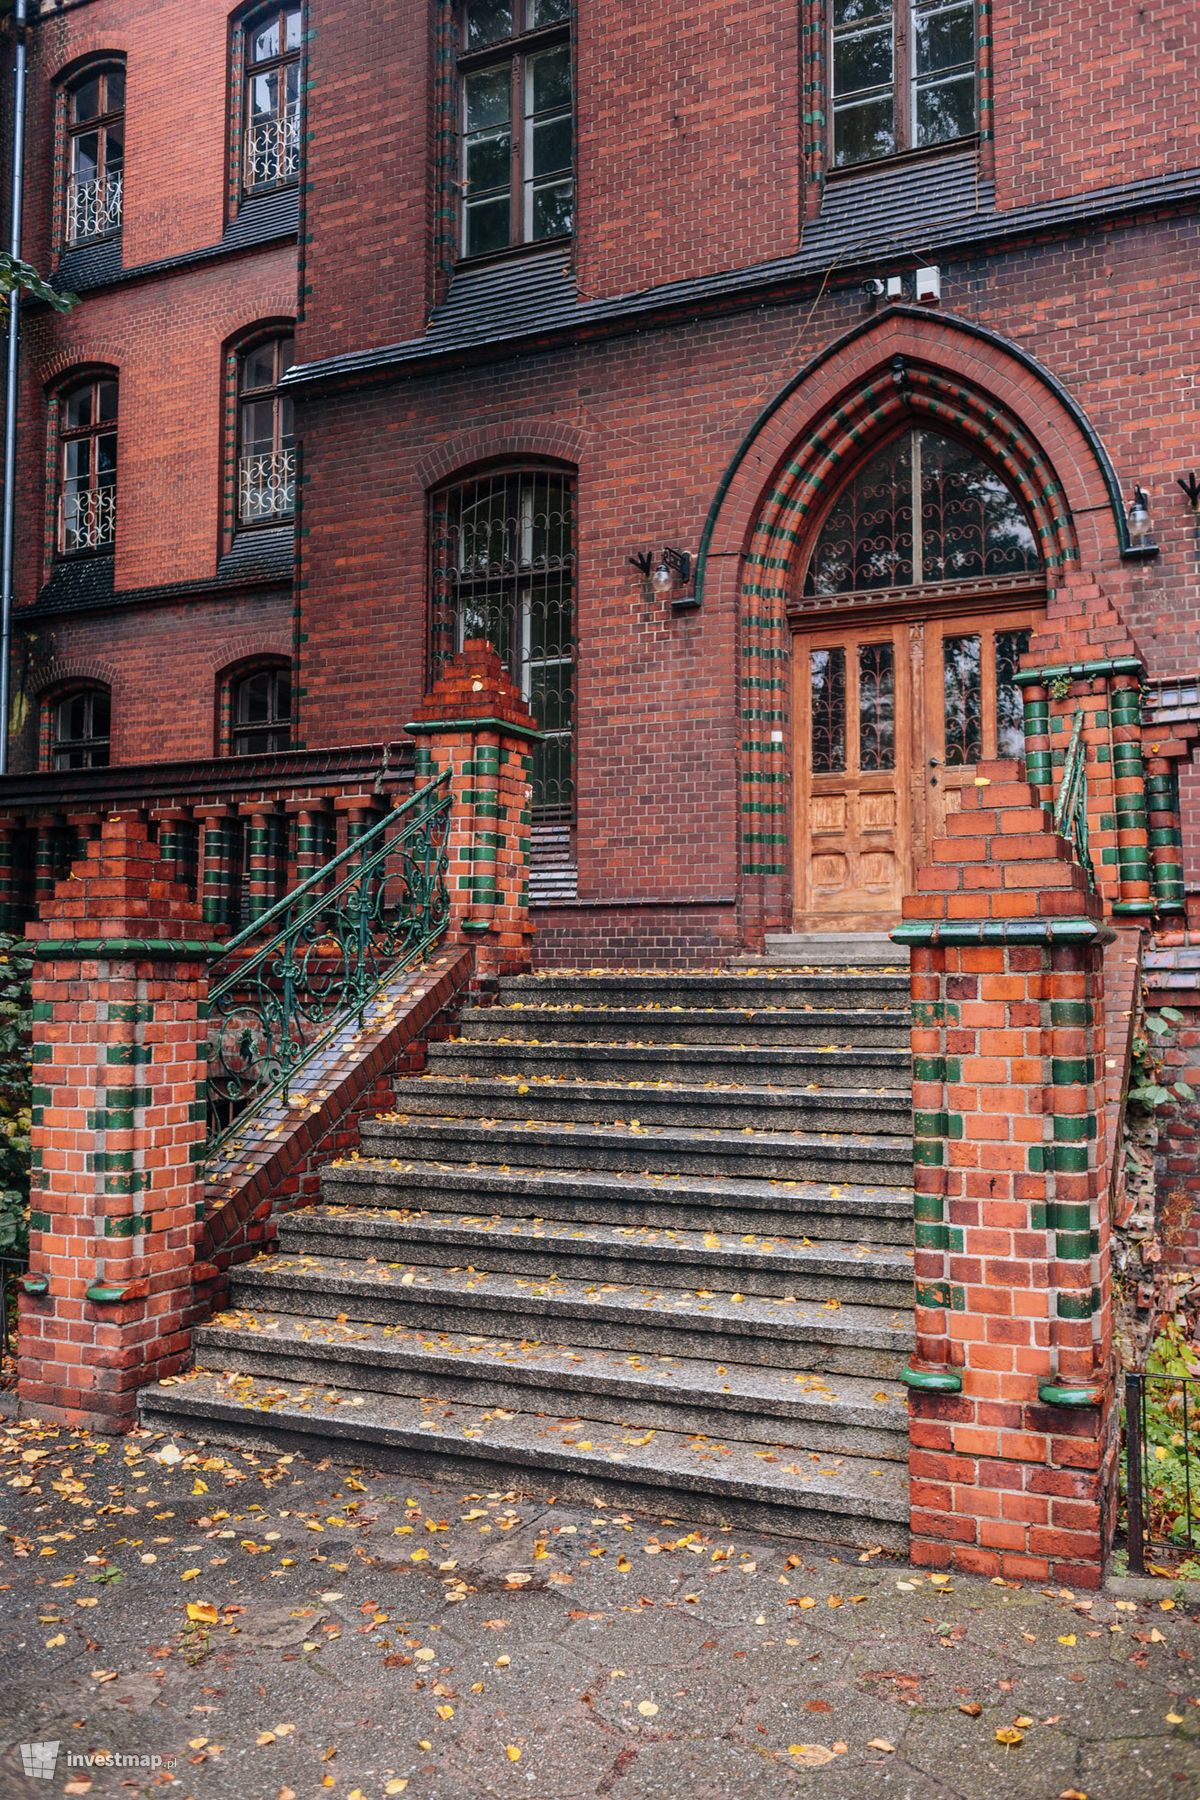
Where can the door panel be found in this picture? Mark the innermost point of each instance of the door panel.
(854, 772)
(892, 721)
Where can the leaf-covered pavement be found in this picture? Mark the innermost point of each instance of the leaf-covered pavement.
(286, 1629)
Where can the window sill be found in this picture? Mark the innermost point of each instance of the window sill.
(512, 253)
(901, 159)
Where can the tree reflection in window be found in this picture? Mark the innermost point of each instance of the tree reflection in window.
(923, 509)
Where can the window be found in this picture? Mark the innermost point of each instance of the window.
(95, 104)
(516, 123)
(271, 127)
(80, 729)
(502, 567)
(266, 438)
(261, 712)
(87, 429)
(903, 76)
(924, 508)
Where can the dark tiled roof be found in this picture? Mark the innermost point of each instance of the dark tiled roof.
(911, 210)
(77, 584)
(260, 556)
(91, 265)
(263, 217)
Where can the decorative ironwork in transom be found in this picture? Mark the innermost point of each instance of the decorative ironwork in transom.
(923, 509)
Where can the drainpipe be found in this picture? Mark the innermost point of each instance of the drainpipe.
(10, 392)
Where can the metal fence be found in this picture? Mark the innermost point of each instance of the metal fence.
(1162, 1474)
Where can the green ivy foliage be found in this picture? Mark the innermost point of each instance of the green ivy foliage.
(16, 275)
(16, 1069)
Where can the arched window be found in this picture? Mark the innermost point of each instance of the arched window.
(266, 437)
(923, 509)
(95, 163)
(272, 47)
(260, 711)
(80, 728)
(87, 463)
(502, 567)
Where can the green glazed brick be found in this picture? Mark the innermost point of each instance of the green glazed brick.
(931, 1013)
(930, 1068)
(929, 1152)
(1071, 1128)
(118, 1055)
(1076, 1306)
(1070, 1012)
(929, 1208)
(1068, 1071)
(40, 1221)
(42, 1010)
(1072, 1215)
(98, 1161)
(127, 1226)
(1070, 1159)
(129, 1012)
(1073, 1246)
(930, 1124)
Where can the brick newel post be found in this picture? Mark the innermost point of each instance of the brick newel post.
(476, 723)
(1012, 1391)
(119, 992)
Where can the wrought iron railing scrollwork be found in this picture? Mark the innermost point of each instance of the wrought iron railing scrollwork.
(1070, 806)
(282, 987)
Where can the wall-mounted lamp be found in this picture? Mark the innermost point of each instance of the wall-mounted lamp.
(670, 575)
(1191, 487)
(1139, 520)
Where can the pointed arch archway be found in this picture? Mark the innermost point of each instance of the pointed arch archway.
(906, 365)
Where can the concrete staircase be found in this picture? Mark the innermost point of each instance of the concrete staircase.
(642, 1237)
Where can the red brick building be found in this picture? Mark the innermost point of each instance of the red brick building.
(801, 397)
(700, 248)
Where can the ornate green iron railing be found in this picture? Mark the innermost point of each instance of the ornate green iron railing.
(1070, 808)
(282, 987)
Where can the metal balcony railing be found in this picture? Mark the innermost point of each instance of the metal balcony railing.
(89, 519)
(94, 208)
(266, 487)
(273, 151)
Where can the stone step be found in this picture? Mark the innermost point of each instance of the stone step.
(802, 1335)
(706, 989)
(825, 1413)
(607, 1102)
(828, 950)
(821, 1156)
(839, 1499)
(878, 1215)
(814, 1025)
(755, 1262)
(819, 1065)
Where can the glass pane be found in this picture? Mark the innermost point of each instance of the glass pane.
(486, 227)
(106, 458)
(828, 684)
(946, 111)
(863, 132)
(85, 101)
(252, 704)
(101, 712)
(548, 12)
(115, 99)
(107, 396)
(867, 539)
(488, 21)
(963, 701)
(258, 427)
(264, 41)
(552, 142)
(114, 149)
(944, 39)
(264, 95)
(549, 701)
(291, 87)
(488, 97)
(77, 461)
(971, 524)
(862, 59)
(287, 421)
(855, 12)
(876, 708)
(1010, 721)
(77, 409)
(258, 367)
(291, 34)
(549, 79)
(489, 160)
(85, 156)
(552, 209)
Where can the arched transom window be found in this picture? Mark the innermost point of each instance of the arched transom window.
(923, 509)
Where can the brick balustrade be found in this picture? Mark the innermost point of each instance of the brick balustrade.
(1012, 1439)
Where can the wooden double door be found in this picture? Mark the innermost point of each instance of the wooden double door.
(891, 721)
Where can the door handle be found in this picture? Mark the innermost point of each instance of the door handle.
(933, 763)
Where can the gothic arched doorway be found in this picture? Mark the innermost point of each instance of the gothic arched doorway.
(922, 588)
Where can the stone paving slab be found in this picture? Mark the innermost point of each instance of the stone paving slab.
(360, 1634)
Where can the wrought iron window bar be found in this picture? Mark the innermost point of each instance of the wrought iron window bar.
(266, 486)
(94, 208)
(273, 150)
(89, 519)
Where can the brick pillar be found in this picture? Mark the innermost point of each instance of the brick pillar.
(1165, 831)
(10, 911)
(217, 867)
(476, 724)
(1129, 792)
(1012, 1391)
(119, 987)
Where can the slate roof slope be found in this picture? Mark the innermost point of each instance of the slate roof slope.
(916, 209)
